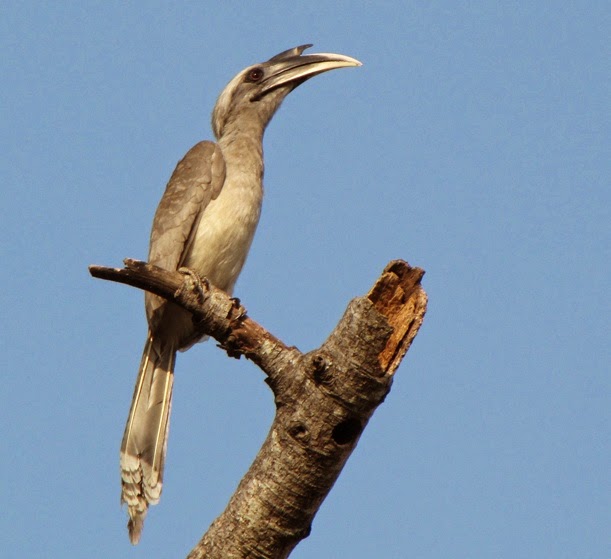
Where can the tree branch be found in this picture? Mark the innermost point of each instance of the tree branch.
(324, 398)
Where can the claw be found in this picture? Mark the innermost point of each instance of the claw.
(194, 282)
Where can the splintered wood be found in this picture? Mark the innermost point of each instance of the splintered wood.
(399, 296)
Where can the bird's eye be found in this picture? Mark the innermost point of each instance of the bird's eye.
(255, 75)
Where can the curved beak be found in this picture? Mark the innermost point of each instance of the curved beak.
(292, 68)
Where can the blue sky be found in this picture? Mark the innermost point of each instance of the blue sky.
(473, 142)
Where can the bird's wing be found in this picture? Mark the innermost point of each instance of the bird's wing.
(197, 179)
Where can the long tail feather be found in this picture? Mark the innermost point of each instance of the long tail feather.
(145, 439)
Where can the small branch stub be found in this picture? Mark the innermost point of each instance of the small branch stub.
(320, 368)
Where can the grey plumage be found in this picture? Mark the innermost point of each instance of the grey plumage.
(205, 221)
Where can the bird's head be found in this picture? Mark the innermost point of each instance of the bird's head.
(252, 97)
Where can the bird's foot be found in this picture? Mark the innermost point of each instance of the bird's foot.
(240, 311)
(195, 284)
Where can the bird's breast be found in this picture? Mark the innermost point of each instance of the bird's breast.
(225, 232)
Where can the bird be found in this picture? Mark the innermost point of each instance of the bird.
(205, 222)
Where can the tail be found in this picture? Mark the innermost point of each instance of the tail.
(145, 440)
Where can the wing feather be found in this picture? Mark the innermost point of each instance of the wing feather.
(197, 179)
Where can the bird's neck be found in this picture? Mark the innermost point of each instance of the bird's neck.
(243, 153)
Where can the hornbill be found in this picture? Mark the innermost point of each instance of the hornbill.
(205, 222)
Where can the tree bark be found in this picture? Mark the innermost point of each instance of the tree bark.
(324, 399)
